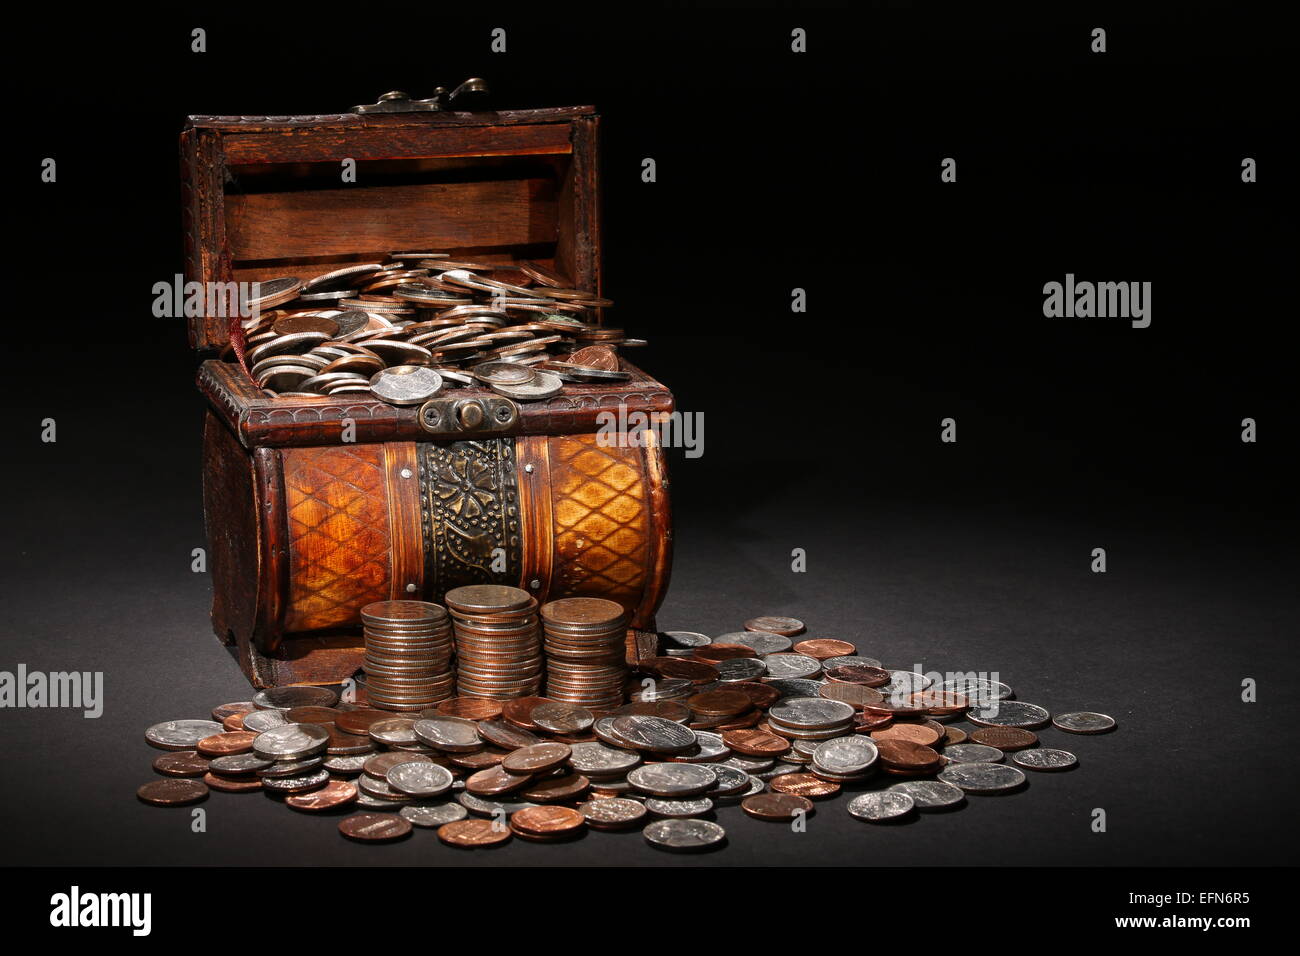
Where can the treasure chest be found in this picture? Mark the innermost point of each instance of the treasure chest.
(317, 505)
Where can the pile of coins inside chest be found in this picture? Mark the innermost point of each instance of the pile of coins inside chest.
(753, 718)
(404, 330)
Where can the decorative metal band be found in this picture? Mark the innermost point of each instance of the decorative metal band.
(470, 514)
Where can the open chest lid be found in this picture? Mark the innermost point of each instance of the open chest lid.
(271, 196)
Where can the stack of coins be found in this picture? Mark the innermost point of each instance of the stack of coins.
(498, 641)
(408, 654)
(584, 643)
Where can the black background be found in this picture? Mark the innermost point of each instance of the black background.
(775, 171)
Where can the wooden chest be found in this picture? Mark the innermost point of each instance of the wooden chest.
(317, 506)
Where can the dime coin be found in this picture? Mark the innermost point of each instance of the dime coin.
(930, 794)
(1004, 738)
(291, 741)
(791, 666)
(982, 778)
(298, 783)
(1083, 722)
(180, 734)
(684, 835)
(173, 792)
(597, 760)
(433, 815)
(1009, 713)
(420, 779)
(972, 753)
(779, 807)
(1045, 758)
(352, 764)
(472, 834)
(374, 827)
(845, 755)
(181, 763)
(239, 764)
(683, 640)
(785, 626)
(290, 768)
(880, 806)
(679, 809)
(672, 779)
(490, 808)
(336, 793)
(979, 691)
(612, 813)
(260, 721)
(762, 642)
(298, 695)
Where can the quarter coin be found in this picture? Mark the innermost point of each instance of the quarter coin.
(785, 626)
(1009, 713)
(684, 835)
(972, 753)
(1045, 758)
(180, 734)
(1083, 722)
(612, 813)
(930, 794)
(982, 778)
(433, 815)
(420, 779)
(880, 806)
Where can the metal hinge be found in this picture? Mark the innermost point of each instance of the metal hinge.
(469, 96)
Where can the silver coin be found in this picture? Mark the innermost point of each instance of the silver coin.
(1009, 713)
(761, 642)
(679, 640)
(1045, 758)
(849, 660)
(545, 385)
(653, 733)
(740, 669)
(612, 812)
(1083, 722)
(978, 690)
(931, 794)
(369, 802)
(291, 741)
(795, 688)
(394, 731)
(433, 814)
(972, 753)
(669, 688)
(810, 713)
(453, 734)
(846, 755)
(287, 698)
(982, 777)
(905, 683)
(291, 768)
(561, 718)
(684, 835)
(381, 788)
(709, 747)
(260, 721)
(791, 666)
(406, 384)
(879, 806)
(490, 808)
(672, 779)
(299, 784)
(596, 758)
(181, 734)
(679, 809)
(778, 769)
(347, 764)
(748, 764)
(730, 781)
(238, 764)
(423, 780)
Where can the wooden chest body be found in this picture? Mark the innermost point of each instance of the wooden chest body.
(318, 506)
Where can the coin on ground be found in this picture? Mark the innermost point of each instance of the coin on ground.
(672, 779)
(1009, 713)
(1083, 722)
(434, 815)
(911, 733)
(1004, 738)
(550, 822)
(776, 806)
(1045, 758)
(173, 792)
(223, 745)
(612, 813)
(231, 784)
(684, 835)
(473, 833)
(931, 794)
(561, 718)
(181, 763)
(656, 734)
(880, 806)
(804, 785)
(336, 793)
(785, 626)
(972, 753)
(982, 777)
(374, 827)
(180, 734)
(420, 779)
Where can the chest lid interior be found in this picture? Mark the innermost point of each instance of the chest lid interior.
(300, 196)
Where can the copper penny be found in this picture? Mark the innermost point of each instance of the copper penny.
(538, 758)
(720, 703)
(473, 833)
(471, 708)
(478, 760)
(740, 721)
(755, 743)
(721, 652)
(374, 827)
(548, 821)
(181, 763)
(334, 794)
(517, 710)
(804, 785)
(232, 784)
(233, 722)
(173, 792)
(1004, 738)
(359, 721)
(556, 789)
(859, 674)
(911, 733)
(906, 755)
(495, 781)
(312, 715)
(864, 722)
(953, 735)
(667, 709)
(760, 695)
(220, 745)
(940, 702)
(780, 807)
(697, 672)
(824, 648)
(785, 626)
(856, 696)
(341, 744)
(506, 735)
(595, 356)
